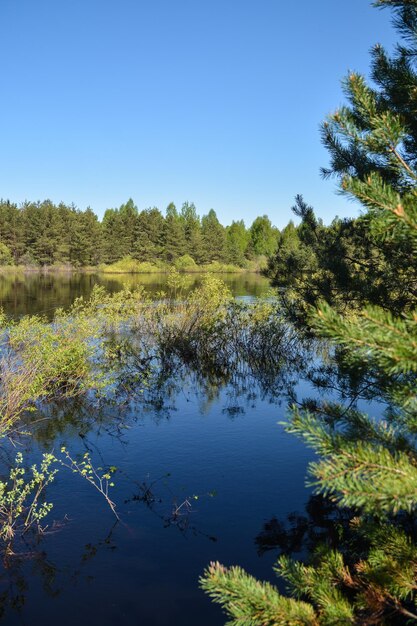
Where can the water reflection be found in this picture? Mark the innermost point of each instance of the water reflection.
(322, 523)
(33, 568)
(40, 294)
(173, 510)
(201, 466)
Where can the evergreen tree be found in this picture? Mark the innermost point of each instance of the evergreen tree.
(149, 235)
(366, 464)
(64, 232)
(195, 245)
(43, 228)
(343, 263)
(237, 239)
(94, 239)
(11, 229)
(174, 235)
(43, 233)
(192, 231)
(86, 239)
(111, 251)
(214, 238)
(127, 225)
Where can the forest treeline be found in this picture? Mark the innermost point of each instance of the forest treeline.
(45, 234)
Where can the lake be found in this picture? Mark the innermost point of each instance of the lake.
(33, 293)
(203, 474)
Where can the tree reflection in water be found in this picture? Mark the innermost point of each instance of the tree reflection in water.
(252, 356)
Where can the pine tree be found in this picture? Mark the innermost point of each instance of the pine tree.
(111, 251)
(366, 464)
(192, 231)
(43, 233)
(343, 263)
(214, 238)
(149, 235)
(127, 224)
(11, 229)
(174, 235)
(42, 229)
(64, 232)
(86, 239)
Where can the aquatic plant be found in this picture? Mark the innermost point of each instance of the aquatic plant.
(21, 504)
(102, 482)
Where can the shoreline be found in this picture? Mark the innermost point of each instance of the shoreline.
(18, 269)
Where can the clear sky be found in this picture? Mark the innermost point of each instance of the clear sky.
(216, 102)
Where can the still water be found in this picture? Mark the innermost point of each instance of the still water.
(220, 449)
(33, 293)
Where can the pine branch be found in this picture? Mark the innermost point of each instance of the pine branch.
(249, 602)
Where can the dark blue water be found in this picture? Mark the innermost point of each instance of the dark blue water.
(220, 450)
(145, 569)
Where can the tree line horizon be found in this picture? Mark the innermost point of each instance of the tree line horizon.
(44, 233)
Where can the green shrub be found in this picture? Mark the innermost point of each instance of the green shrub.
(127, 265)
(215, 267)
(185, 263)
(5, 255)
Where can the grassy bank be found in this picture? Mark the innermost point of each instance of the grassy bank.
(127, 265)
(45, 269)
(130, 266)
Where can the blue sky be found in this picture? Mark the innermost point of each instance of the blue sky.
(215, 102)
